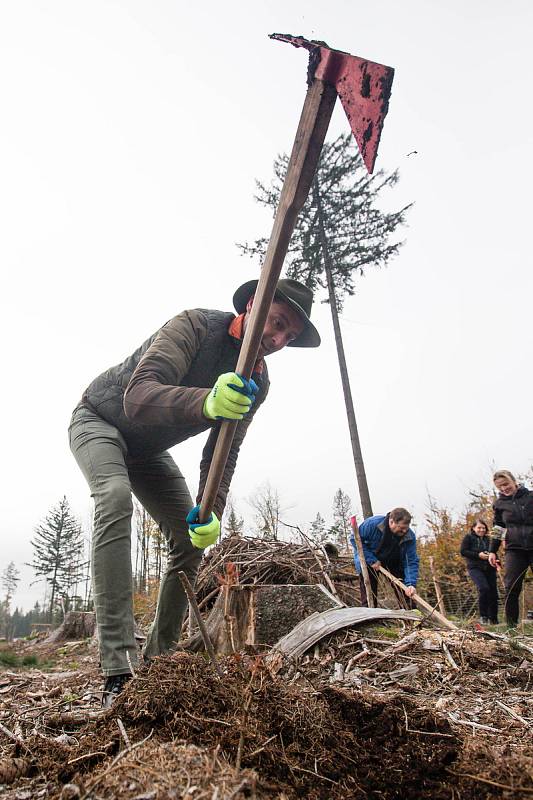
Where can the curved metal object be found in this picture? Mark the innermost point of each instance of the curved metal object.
(364, 88)
(316, 626)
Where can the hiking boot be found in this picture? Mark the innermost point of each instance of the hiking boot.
(113, 686)
(484, 620)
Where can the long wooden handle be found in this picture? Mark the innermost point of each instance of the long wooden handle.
(312, 129)
(419, 600)
(362, 561)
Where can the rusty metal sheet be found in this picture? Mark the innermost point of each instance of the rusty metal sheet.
(364, 88)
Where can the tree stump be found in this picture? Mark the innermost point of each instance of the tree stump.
(76, 625)
(259, 615)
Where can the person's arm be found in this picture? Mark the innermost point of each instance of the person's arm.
(497, 533)
(231, 463)
(367, 532)
(154, 395)
(466, 550)
(410, 565)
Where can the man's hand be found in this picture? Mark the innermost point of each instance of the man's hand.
(375, 565)
(230, 398)
(484, 555)
(492, 559)
(410, 591)
(202, 533)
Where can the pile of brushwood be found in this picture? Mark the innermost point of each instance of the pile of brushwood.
(260, 561)
(386, 711)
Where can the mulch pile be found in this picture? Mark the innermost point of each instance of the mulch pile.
(388, 712)
(179, 731)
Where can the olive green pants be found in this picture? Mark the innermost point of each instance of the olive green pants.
(156, 481)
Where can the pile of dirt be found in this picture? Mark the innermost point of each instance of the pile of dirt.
(383, 712)
(291, 741)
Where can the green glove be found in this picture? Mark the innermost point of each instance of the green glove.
(226, 399)
(202, 533)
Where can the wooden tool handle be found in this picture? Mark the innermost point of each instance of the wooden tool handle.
(362, 561)
(419, 600)
(306, 150)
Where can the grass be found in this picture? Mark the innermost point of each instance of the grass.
(386, 632)
(10, 659)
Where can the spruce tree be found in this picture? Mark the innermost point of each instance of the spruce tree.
(340, 231)
(58, 553)
(342, 510)
(317, 531)
(233, 524)
(8, 585)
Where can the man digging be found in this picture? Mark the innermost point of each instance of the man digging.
(179, 383)
(388, 541)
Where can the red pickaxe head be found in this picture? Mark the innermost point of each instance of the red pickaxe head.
(363, 86)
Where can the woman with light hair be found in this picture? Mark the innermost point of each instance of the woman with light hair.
(513, 523)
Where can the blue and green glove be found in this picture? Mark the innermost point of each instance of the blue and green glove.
(231, 397)
(202, 533)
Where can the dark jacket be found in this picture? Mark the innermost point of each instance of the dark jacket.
(515, 513)
(471, 546)
(372, 532)
(156, 396)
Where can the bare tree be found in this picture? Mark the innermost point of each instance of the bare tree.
(267, 505)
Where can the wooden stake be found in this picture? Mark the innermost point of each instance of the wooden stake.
(203, 630)
(436, 584)
(362, 561)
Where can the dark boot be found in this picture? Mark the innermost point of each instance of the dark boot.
(113, 687)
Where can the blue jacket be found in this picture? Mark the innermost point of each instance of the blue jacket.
(371, 531)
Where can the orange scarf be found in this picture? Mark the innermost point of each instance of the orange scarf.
(236, 330)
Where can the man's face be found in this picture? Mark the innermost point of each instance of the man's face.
(282, 326)
(400, 528)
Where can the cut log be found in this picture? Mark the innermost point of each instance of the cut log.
(257, 616)
(76, 625)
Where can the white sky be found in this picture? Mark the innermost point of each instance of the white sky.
(131, 135)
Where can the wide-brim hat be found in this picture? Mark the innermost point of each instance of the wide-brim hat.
(296, 295)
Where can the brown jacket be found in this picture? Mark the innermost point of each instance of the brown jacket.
(155, 397)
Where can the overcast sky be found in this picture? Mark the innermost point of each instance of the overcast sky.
(131, 136)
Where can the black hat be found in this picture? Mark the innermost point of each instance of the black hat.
(296, 295)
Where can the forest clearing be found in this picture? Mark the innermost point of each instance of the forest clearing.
(388, 709)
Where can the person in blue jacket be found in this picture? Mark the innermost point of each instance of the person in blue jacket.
(388, 541)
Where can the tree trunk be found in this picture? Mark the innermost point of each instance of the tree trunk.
(76, 625)
(364, 494)
(258, 615)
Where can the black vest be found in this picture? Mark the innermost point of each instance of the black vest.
(217, 354)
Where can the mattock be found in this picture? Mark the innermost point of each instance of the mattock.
(364, 88)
